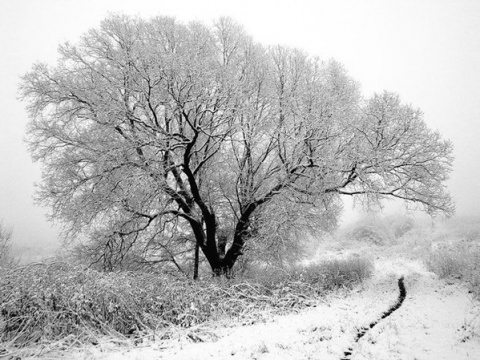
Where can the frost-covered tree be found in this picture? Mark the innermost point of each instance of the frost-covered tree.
(157, 136)
(6, 257)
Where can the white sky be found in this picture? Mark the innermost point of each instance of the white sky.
(428, 51)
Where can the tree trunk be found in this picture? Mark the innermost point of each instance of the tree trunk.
(226, 260)
(220, 261)
(220, 264)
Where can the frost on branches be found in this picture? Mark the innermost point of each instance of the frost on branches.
(158, 137)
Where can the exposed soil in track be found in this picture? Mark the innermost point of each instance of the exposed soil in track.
(347, 355)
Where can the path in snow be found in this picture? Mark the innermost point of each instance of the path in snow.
(363, 330)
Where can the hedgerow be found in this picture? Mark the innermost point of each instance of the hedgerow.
(47, 302)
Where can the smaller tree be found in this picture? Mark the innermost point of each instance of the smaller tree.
(6, 257)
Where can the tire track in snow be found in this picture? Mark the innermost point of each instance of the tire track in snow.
(362, 331)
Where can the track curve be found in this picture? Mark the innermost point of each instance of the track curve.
(347, 354)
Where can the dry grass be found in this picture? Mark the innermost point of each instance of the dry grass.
(44, 303)
(340, 272)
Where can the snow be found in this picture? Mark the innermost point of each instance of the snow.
(436, 321)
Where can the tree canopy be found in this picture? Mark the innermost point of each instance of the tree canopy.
(162, 136)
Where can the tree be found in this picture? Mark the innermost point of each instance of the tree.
(6, 258)
(165, 136)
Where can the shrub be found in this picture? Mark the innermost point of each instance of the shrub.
(401, 225)
(6, 257)
(446, 262)
(461, 261)
(346, 272)
(371, 230)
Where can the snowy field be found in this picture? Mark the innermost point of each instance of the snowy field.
(439, 318)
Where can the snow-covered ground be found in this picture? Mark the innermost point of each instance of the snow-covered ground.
(436, 321)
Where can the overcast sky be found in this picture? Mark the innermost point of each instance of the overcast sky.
(426, 51)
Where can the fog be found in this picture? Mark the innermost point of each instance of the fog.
(426, 51)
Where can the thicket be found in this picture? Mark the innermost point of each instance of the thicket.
(460, 260)
(378, 230)
(455, 252)
(47, 302)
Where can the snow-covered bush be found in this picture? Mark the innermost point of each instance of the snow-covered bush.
(459, 260)
(371, 230)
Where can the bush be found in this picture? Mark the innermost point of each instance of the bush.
(50, 301)
(346, 272)
(371, 230)
(461, 261)
(446, 262)
(401, 225)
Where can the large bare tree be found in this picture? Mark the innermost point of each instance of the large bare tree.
(165, 136)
